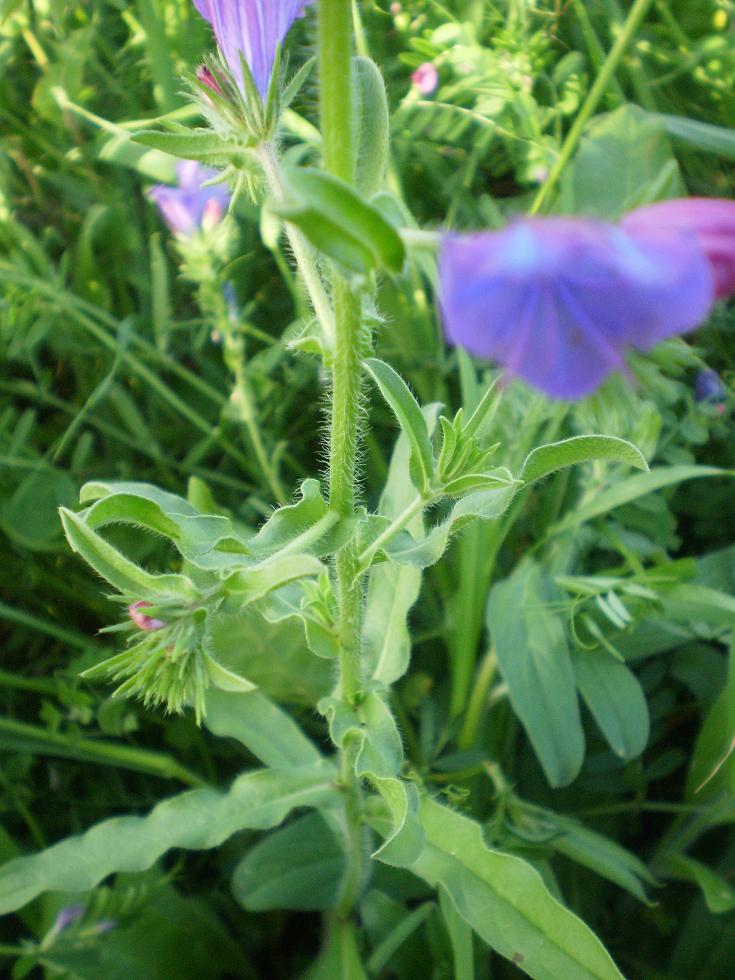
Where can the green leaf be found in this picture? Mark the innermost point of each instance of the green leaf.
(712, 770)
(689, 602)
(698, 135)
(371, 725)
(580, 449)
(482, 505)
(208, 541)
(121, 150)
(202, 145)
(245, 644)
(262, 727)
(341, 957)
(251, 584)
(372, 126)
(196, 820)
(406, 409)
(632, 488)
(460, 936)
(612, 693)
(619, 165)
(297, 867)
(123, 574)
(392, 588)
(337, 221)
(306, 527)
(506, 902)
(718, 893)
(600, 854)
(531, 647)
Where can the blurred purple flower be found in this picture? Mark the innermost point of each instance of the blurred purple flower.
(425, 78)
(188, 207)
(710, 220)
(67, 916)
(708, 386)
(253, 27)
(559, 301)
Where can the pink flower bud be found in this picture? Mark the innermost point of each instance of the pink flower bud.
(143, 622)
(205, 76)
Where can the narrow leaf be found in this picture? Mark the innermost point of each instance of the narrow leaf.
(580, 449)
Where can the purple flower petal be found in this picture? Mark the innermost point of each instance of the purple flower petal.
(186, 207)
(710, 220)
(559, 300)
(253, 27)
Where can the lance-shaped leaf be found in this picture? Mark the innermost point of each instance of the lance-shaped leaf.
(533, 657)
(196, 820)
(580, 449)
(262, 727)
(506, 902)
(404, 549)
(306, 527)
(250, 584)
(339, 222)
(406, 409)
(208, 541)
(118, 570)
(612, 693)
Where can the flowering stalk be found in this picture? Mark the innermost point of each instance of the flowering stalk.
(212, 301)
(335, 26)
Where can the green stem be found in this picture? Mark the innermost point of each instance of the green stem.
(36, 739)
(478, 698)
(300, 247)
(635, 18)
(212, 301)
(335, 67)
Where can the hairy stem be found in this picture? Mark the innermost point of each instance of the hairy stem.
(335, 54)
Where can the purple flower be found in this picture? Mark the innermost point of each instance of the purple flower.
(708, 386)
(711, 220)
(559, 301)
(188, 207)
(67, 916)
(253, 27)
(425, 78)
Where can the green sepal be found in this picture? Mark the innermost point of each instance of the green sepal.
(196, 144)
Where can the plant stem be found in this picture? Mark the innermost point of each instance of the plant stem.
(301, 250)
(635, 17)
(477, 702)
(36, 739)
(335, 67)
(213, 301)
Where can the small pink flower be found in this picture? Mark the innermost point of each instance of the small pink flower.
(143, 622)
(425, 78)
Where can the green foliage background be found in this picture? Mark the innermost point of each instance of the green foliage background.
(109, 371)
